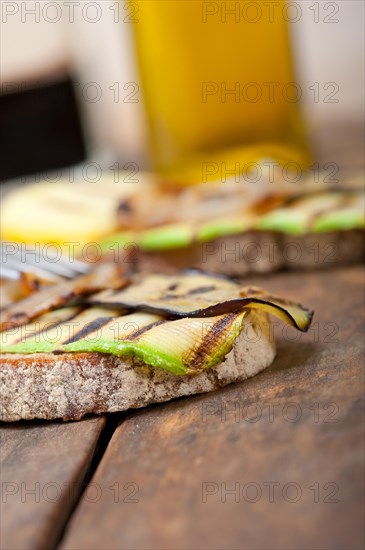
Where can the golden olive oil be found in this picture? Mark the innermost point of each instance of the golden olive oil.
(219, 87)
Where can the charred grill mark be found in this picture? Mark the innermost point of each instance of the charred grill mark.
(18, 315)
(199, 290)
(50, 326)
(136, 334)
(116, 292)
(125, 207)
(173, 286)
(11, 321)
(207, 344)
(89, 328)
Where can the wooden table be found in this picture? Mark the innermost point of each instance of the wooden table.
(275, 462)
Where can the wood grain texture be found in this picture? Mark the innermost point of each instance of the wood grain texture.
(43, 466)
(288, 441)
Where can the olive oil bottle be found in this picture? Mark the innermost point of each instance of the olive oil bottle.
(219, 87)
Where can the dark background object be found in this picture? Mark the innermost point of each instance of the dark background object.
(40, 130)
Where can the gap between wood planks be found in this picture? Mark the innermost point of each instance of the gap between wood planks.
(112, 421)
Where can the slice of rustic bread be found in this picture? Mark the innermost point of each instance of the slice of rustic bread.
(71, 385)
(261, 252)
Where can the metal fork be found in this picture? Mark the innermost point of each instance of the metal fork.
(18, 258)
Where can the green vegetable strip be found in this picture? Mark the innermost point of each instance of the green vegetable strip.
(167, 237)
(184, 346)
(344, 211)
(52, 337)
(340, 220)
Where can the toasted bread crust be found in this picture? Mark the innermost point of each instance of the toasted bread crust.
(71, 385)
(262, 252)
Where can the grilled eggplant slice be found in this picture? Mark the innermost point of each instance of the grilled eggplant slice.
(184, 323)
(55, 296)
(200, 296)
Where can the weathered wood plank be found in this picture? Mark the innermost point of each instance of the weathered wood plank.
(42, 469)
(288, 443)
